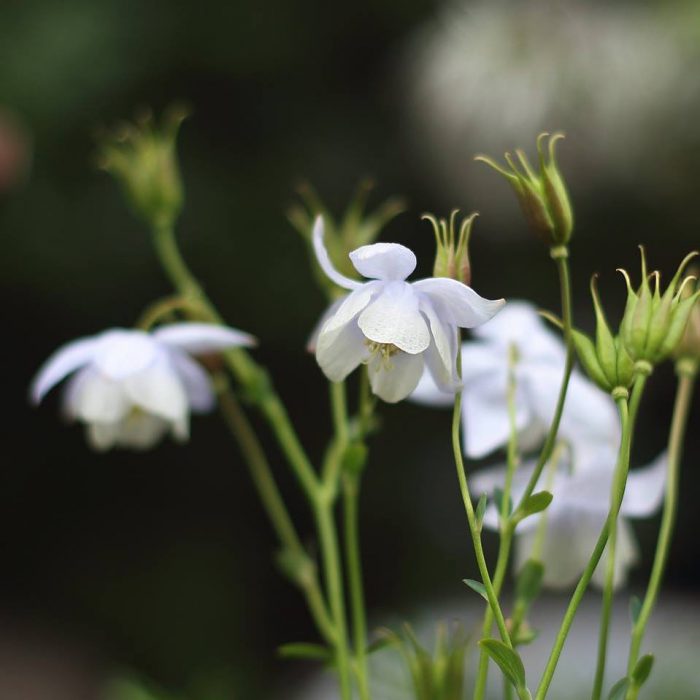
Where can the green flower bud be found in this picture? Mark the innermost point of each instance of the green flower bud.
(542, 195)
(688, 349)
(654, 323)
(143, 158)
(452, 254)
(356, 227)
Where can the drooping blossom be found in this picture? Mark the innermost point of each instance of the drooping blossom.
(518, 340)
(394, 326)
(131, 387)
(577, 513)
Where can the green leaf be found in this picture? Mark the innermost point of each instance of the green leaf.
(617, 692)
(536, 503)
(498, 500)
(529, 580)
(507, 659)
(304, 650)
(477, 586)
(481, 509)
(384, 640)
(642, 670)
(354, 458)
(635, 608)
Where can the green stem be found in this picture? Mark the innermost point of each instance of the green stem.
(274, 506)
(686, 382)
(507, 529)
(257, 383)
(627, 417)
(567, 323)
(471, 517)
(245, 369)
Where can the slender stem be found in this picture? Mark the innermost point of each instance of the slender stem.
(567, 322)
(245, 369)
(627, 418)
(471, 517)
(274, 506)
(506, 528)
(255, 380)
(684, 393)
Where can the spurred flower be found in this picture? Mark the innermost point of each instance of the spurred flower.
(517, 340)
(131, 387)
(396, 327)
(575, 518)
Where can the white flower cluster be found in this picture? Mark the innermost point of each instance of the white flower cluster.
(580, 472)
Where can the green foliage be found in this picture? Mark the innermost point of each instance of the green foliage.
(507, 659)
(476, 586)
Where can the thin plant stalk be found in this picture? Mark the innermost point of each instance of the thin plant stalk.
(686, 382)
(628, 413)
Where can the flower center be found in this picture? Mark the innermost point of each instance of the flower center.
(383, 352)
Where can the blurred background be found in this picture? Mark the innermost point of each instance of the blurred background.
(161, 563)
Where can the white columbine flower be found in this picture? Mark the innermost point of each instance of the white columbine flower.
(131, 387)
(394, 326)
(589, 417)
(577, 513)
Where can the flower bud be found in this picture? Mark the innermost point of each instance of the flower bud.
(452, 253)
(689, 346)
(542, 196)
(356, 228)
(653, 323)
(606, 361)
(143, 158)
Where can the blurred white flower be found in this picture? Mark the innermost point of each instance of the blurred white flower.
(589, 418)
(489, 75)
(577, 513)
(394, 326)
(131, 387)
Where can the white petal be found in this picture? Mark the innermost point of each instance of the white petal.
(195, 381)
(330, 311)
(463, 306)
(64, 361)
(441, 355)
(102, 436)
(568, 544)
(428, 393)
(324, 260)
(645, 488)
(394, 379)
(121, 353)
(487, 426)
(384, 261)
(202, 338)
(351, 306)
(98, 399)
(394, 318)
(479, 359)
(141, 431)
(158, 390)
(519, 323)
(340, 351)
(626, 556)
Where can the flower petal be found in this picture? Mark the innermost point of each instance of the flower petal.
(158, 390)
(441, 355)
(519, 323)
(330, 311)
(324, 259)
(141, 431)
(626, 556)
(394, 379)
(394, 318)
(102, 436)
(645, 488)
(65, 360)
(463, 306)
(99, 399)
(121, 353)
(195, 380)
(384, 261)
(340, 351)
(202, 338)
(351, 306)
(428, 392)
